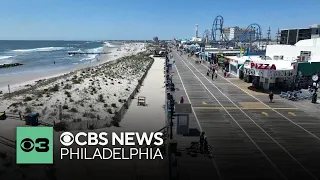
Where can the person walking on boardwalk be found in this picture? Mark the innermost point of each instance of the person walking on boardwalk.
(213, 73)
(201, 141)
(216, 68)
(181, 100)
(271, 96)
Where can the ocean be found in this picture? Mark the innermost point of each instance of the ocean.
(41, 55)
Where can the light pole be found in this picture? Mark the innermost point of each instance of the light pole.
(315, 85)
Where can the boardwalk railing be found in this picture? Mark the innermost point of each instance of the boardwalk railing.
(164, 136)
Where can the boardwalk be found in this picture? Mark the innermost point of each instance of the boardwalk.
(251, 138)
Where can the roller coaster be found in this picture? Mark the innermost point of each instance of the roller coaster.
(217, 36)
(206, 36)
(252, 34)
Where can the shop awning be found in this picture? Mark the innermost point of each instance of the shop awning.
(241, 67)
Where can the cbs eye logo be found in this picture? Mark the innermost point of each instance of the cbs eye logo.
(66, 138)
(40, 145)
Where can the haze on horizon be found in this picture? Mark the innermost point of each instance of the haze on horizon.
(142, 20)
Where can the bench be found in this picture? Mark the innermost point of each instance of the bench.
(141, 101)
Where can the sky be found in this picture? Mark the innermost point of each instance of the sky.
(142, 19)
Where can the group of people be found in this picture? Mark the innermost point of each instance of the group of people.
(213, 69)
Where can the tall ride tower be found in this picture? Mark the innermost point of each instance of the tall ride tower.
(196, 35)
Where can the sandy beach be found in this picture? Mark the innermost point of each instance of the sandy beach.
(94, 93)
(18, 81)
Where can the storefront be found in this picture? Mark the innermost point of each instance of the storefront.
(235, 65)
(267, 74)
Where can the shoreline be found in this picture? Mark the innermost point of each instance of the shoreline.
(89, 98)
(20, 80)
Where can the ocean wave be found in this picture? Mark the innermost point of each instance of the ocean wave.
(93, 56)
(107, 44)
(6, 61)
(43, 49)
(89, 57)
(77, 51)
(5, 57)
(95, 50)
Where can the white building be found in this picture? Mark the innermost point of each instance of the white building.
(196, 39)
(304, 50)
(261, 71)
(280, 66)
(235, 33)
(315, 31)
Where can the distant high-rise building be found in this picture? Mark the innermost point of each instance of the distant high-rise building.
(196, 32)
(235, 34)
(292, 36)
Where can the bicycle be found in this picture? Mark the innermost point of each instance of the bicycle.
(195, 148)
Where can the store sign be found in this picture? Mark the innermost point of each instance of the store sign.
(263, 66)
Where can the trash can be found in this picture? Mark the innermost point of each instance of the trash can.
(33, 119)
(27, 120)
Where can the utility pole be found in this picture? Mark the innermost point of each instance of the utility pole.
(269, 36)
(278, 35)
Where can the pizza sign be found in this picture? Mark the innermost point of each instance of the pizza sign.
(263, 66)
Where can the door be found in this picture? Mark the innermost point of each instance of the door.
(183, 124)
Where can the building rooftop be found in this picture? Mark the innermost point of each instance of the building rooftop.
(280, 64)
(228, 28)
(196, 39)
(311, 26)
